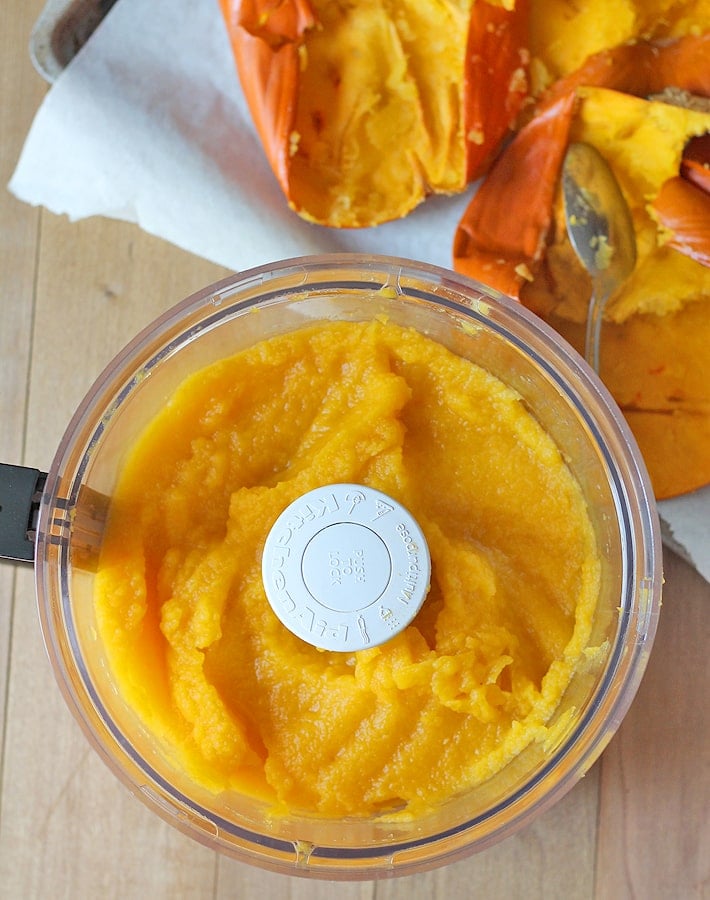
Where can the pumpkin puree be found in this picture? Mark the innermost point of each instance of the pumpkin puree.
(245, 705)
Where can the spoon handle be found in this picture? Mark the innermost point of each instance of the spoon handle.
(592, 338)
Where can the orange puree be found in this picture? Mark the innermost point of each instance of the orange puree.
(245, 705)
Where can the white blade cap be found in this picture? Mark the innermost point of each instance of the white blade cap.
(346, 567)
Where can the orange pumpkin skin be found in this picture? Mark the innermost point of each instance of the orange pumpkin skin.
(503, 230)
(446, 114)
(267, 48)
(643, 67)
(683, 209)
(495, 79)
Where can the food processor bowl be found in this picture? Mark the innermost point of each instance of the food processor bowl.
(556, 386)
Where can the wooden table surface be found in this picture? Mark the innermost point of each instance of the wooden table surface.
(73, 294)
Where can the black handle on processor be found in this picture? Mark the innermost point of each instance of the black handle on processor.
(20, 494)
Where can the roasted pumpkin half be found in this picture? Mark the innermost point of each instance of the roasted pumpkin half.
(644, 107)
(364, 107)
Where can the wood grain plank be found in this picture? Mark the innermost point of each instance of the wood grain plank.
(99, 282)
(69, 828)
(550, 859)
(654, 826)
(237, 881)
(82, 833)
(19, 225)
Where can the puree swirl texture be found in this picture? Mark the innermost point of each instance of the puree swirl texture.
(245, 705)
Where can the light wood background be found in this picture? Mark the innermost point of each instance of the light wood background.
(638, 826)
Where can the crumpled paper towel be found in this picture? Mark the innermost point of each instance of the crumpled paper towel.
(148, 124)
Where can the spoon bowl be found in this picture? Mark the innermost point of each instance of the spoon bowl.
(600, 230)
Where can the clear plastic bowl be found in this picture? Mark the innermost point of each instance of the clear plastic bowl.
(493, 331)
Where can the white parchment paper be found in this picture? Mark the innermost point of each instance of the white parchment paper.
(148, 124)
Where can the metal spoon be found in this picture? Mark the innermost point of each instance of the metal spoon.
(601, 232)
